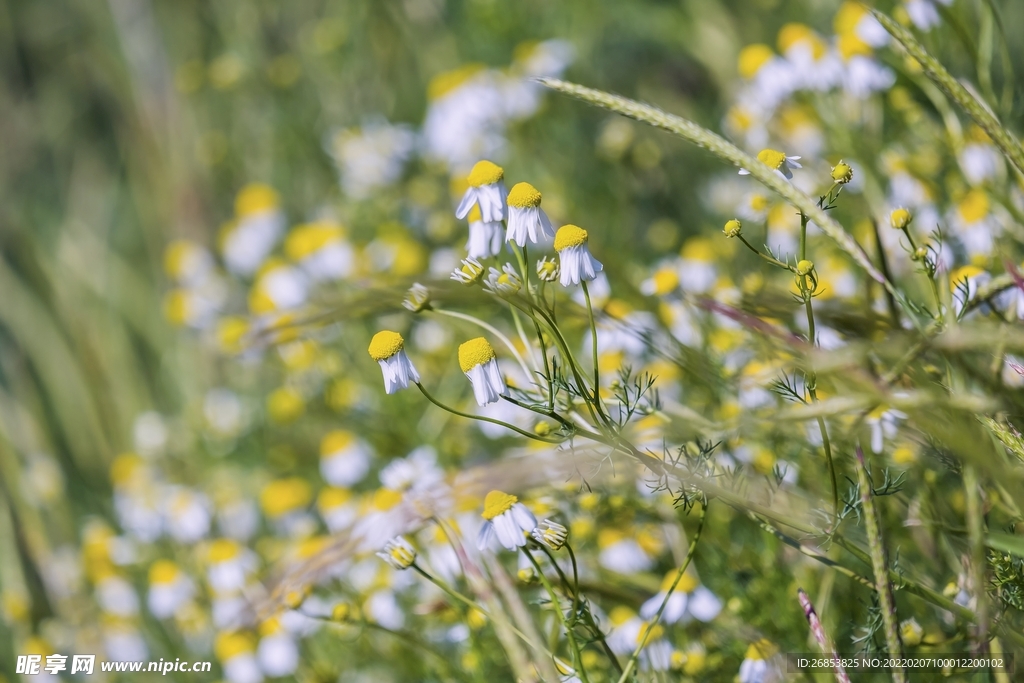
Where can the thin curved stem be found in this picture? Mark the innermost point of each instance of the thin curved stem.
(631, 664)
(506, 425)
(490, 328)
(593, 344)
(574, 646)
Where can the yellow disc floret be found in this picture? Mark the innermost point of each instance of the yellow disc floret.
(752, 58)
(163, 572)
(496, 503)
(900, 218)
(570, 236)
(524, 196)
(385, 344)
(485, 173)
(255, 198)
(475, 352)
(772, 158)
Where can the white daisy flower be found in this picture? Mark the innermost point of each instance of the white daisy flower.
(469, 272)
(169, 589)
(237, 657)
(688, 599)
(398, 553)
(116, 596)
(486, 190)
(924, 13)
(507, 521)
(258, 225)
(485, 237)
(231, 565)
(576, 263)
(759, 664)
(278, 653)
(526, 220)
(338, 508)
(477, 360)
(551, 534)
(777, 161)
(505, 282)
(387, 348)
(321, 250)
(964, 283)
(344, 458)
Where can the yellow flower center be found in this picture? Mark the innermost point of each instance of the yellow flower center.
(974, 206)
(285, 495)
(229, 645)
(496, 503)
(310, 238)
(222, 550)
(655, 631)
(385, 344)
(334, 441)
(254, 199)
(963, 273)
(332, 497)
(163, 571)
(762, 649)
(524, 196)
(385, 499)
(759, 202)
(900, 218)
(848, 16)
(752, 58)
(850, 45)
(570, 236)
(485, 173)
(444, 83)
(772, 158)
(475, 352)
(686, 584)
(665, 281)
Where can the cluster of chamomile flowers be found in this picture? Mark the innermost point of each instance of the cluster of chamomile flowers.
(496, 216)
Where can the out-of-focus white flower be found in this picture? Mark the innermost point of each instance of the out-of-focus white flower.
(278, 287)
(258, 224)
(924, 13)
(320, 250)
(398, 553)
(236, 654)
(223, 412)
(277, 652)
(169, 589)
(338, 508)
(622, 553)
(371, 157)
(975, 224)
(116, 596)
(485, 237)
(688, 598)
(186, 514)
(344, 458)
(230, 565)
(188, 263)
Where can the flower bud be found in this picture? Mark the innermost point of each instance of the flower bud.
(398, 553)
(920, 254)
(542, 429)
(417, 298)
(842, 173)
(804, 267)
(900, 219)
(551, 534)
(547, 271)
(911, 632)
(733, 228)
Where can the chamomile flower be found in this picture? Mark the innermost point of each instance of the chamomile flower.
(236, 654)
(506, 521)
(387, 348)
(258, 224)
(277, 652)
(979, 159)
(505, 282)
(169, 589)
(911, 632)
(398, 553)
(487, 191)
(526, 220)
(477, 360)
(344, 458)
(758, 664)
(777, 161)
(321, 250)
(689, 598)
(485, 237)
(964, 283)
(924, 13)
(551, 534)
(884, 423)
(576, 263)
(548, 270)
(469, 272)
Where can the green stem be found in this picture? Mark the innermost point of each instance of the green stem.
(766, 257)
(880, 566)
(490, 328)
(557, 605)
(451, 410)
(631, 664)
(593, 341)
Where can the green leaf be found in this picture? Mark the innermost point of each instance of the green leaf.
(1006, 543)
